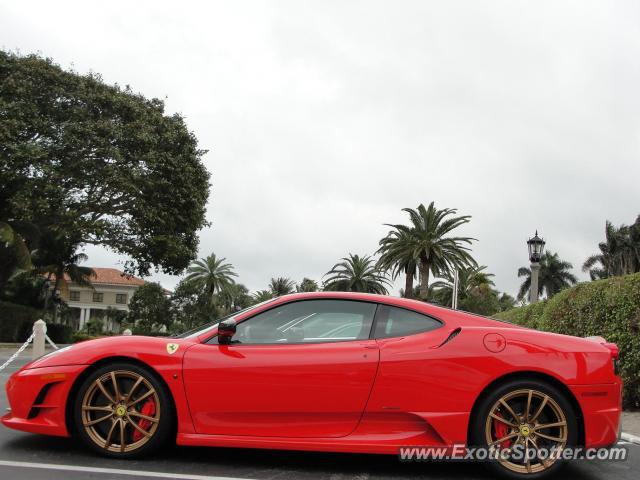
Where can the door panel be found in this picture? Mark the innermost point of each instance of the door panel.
(285, 390)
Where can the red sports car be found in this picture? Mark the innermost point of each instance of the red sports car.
(340, 372)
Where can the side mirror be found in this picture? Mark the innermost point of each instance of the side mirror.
(226, 330)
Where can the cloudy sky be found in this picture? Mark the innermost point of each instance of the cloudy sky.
(324, 119)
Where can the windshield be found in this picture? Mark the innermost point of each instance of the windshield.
(200, 329)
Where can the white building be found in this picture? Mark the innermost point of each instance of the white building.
(111, 288)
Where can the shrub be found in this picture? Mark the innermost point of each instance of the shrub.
(59, 333)
(152, 334)
(16, 321)
(81, 337)
(94, 327)
(609, 308)
(527, 316)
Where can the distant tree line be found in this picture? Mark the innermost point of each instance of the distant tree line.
(422, 249)
(619, 253)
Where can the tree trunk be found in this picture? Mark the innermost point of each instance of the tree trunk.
(51, 300)
(59, 275)
(408, 285)
(424, 279)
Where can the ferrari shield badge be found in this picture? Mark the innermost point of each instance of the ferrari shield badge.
(172, 348)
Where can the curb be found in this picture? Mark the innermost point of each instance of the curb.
(627, 437)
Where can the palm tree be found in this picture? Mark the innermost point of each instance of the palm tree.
(234, 297)
(606, 259)
(619, 253)
(554, 276)
(470, 280)
(634, 240)
(281, 286)
(210, 275)
(425, 243)
(57, 256)
(396, 255)
(476, 292)
(307, 285)
(506, 302)
(262, 296)
(357, 274)
(413, 294)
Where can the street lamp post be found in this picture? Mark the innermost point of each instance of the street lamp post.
(456, 286)
(536, 247)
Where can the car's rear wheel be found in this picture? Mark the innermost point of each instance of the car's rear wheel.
(123, 410)
(529, 423)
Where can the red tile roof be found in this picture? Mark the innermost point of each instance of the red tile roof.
(111, 276)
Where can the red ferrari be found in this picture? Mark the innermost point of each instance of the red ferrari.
(340, 372)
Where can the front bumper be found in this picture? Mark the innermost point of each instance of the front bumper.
(38, 397)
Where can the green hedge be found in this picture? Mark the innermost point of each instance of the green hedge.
(609, 308)
(60, 333)
(16, 324)
(82, 337)
(16, 321)
(528, 316)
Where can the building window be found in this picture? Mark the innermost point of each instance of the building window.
(121, 298)
(98, 297)
(74, 295)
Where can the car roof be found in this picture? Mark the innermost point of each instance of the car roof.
(437, 311)
(366, 297)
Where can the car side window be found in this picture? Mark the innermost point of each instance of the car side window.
(308, 321)
(398, 322)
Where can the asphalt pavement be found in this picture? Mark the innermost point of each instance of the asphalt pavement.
(34, 457)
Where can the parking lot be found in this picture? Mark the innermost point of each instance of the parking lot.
(27, 456)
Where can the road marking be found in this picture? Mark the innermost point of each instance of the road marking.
(627, 437)
(112, 471)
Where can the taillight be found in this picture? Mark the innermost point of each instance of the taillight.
(613, 348)
(616, 366)
(615, 356)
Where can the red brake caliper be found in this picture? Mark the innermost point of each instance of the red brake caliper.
(500, 430)
(148, 409)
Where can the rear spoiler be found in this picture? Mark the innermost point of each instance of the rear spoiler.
(613, 348)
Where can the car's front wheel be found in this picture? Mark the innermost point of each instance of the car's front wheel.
(525, 425)
(123, 410)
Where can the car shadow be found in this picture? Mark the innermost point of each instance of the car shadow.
(254, 463)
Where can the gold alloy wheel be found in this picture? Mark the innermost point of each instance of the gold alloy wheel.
(531, 419)
(111, 413)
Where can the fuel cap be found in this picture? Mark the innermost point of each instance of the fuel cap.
(494, 342)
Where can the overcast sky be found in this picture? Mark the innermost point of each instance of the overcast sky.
(324, 119)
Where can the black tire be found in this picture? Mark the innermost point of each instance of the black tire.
(479, 423)
(162, 433)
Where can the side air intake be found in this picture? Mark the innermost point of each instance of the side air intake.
(451, 336)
